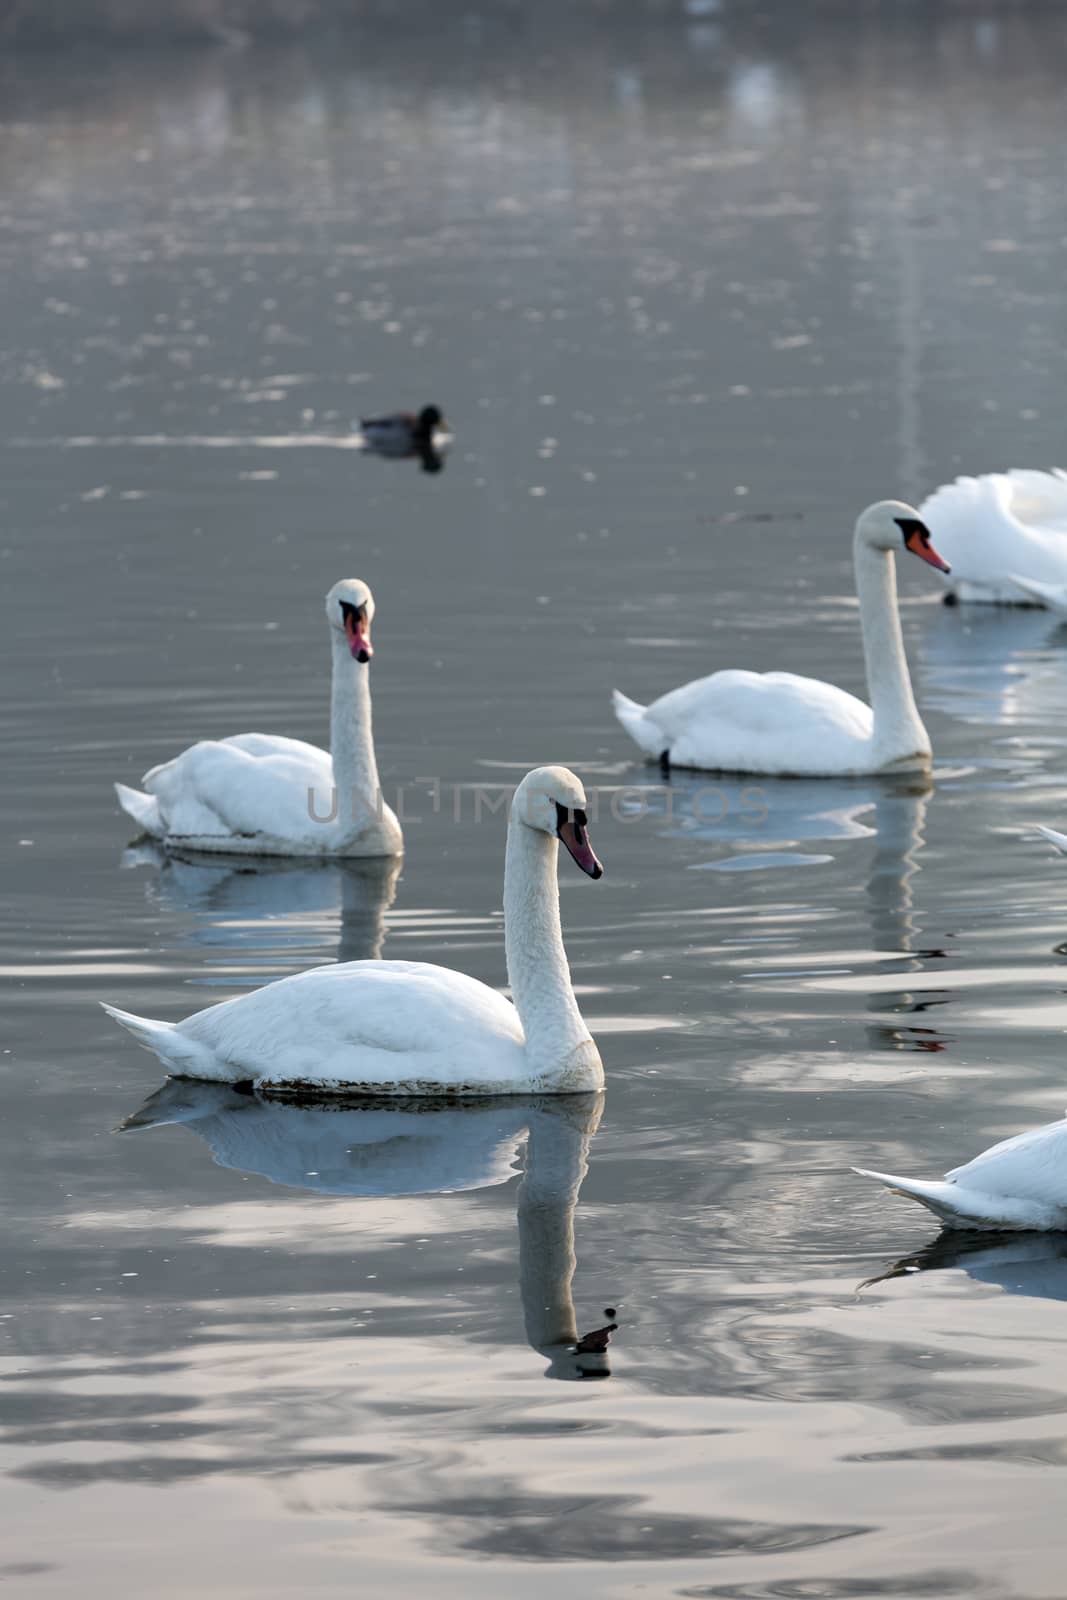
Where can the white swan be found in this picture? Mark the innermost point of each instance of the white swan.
(261, 794)
(404, 1027)
(1019, 1183)
(1054, 838)
(1005, 534)
(778, 723)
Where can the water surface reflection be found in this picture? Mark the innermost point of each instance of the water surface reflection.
(419, 1147)
(263, 911)
(1029, 1264)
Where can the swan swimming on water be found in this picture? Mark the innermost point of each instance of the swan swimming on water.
(409, 1028)
(1005, 536)
(1020, 1183)
(262, 794)
(779, 723)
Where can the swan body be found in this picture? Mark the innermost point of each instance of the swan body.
(409, 1028)
(781, 724)
(1054, 838)
(768, 722)
(262, 794)
(1020, 1183)
(1005, 535)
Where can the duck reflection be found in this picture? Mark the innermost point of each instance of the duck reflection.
(1031, 1264)
(994, 664)
(388, 1148)
(266, 905)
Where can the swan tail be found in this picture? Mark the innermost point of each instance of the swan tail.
(143, 808)
(1058, 839)
(1052, 595)
(182, 1055)
(943, 1199)
(645, 735)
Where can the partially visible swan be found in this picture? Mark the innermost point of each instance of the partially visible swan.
(1019, 1183)
(1057, 839)
(1002, 533)
(408, 1028)
(372, 1149)
(778, 723)
(262, 794)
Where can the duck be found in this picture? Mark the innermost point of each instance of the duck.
(408, 1027)
(787, 726)
(260, 794)
(403, 434)
(1018, 1184)
(1004, 534)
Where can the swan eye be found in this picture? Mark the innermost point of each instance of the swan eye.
(911, 529)
(563, 815)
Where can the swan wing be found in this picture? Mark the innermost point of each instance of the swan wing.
(998, 527)
(254, 784)
(762, 722)
(1030, 1166)
(387, 1026)
(1058, 839)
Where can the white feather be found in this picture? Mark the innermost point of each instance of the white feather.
(781, 724)
(264, 794)
(408, 1028)
(1019, 1183)
(999, 529)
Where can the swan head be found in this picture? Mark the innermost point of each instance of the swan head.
(889, 523)
(349, 611)
(552, 800)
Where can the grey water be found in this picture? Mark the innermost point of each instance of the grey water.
(692, 286)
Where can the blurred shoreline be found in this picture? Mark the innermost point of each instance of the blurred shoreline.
(44, 23)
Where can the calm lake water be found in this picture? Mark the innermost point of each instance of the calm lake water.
(692, 292)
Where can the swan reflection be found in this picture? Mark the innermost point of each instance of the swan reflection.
(760, 810)
(994, 664)
(900, 821)
(266, 904)
(1031, 1264)
(889, 810)
(390, 1148)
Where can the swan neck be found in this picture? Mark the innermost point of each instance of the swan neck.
(355, 770)
(538, 973)
(898, 728)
